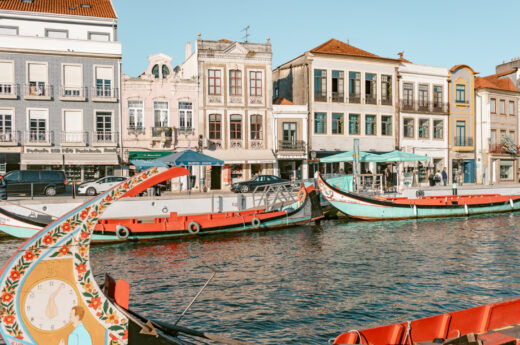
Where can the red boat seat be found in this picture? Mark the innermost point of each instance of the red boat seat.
(504, 314)
(473, 320)
(430, 328)
(390, 334)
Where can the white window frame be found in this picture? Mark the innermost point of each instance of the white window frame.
(90, 33)
(112, 86)
(185, 111)
(47, 30)
(63, 129)
(11, 27)
(128, 113)
(81, 93)
(112, 123)
(8, 111)
(162, 100)
(28, 123)
(46, 92)
(12, 83)
(249, 82)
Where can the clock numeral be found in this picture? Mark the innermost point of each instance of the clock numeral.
(32, 319)
(39, 287)
(31, 295)
(51, 283)
(52, 327)
(74, 302)
(28, 307)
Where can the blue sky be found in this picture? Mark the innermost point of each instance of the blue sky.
(478, 33)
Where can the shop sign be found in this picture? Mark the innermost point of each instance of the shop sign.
(69, 150)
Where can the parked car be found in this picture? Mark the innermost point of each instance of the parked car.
(99, 186)
(259, 181)
(48, 182)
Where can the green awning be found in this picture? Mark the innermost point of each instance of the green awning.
(147, 155)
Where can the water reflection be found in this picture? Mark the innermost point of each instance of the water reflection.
(308, 284)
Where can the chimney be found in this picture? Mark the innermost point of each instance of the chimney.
(400, 55)
(187, 52)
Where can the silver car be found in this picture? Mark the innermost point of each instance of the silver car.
(100, 186)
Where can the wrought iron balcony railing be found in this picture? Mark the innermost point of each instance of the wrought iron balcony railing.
(291, 145)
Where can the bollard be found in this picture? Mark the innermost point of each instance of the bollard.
(454, 189)
(32, 191)
(73, 189)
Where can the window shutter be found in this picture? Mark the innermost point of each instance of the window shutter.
(6, 72)
(38, 114)
(104, 73)
(37, 72)
(72, 76)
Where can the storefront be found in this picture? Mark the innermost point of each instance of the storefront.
(503, 170)
(9, 161)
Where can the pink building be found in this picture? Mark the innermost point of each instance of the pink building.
(159, 111)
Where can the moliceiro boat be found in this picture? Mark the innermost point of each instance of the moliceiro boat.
(492, 324)
(49, 294)
(305, 210)
(358, 206)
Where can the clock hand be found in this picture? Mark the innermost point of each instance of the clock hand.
(52, 310)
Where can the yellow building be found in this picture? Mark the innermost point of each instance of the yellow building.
(462, 163)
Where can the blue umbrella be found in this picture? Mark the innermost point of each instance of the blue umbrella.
(189, 158)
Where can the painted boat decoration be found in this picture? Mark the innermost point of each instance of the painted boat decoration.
(49, 294)
(307, 209)
(491, 324)
(369, 208)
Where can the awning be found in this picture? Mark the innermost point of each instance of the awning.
(41, 158)
(243, 156)
(147, 155)
(92, 159)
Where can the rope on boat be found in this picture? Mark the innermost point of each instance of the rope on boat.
(408, 334)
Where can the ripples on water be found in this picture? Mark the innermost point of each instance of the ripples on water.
(308, 284)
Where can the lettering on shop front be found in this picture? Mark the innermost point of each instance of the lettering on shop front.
(65, 150)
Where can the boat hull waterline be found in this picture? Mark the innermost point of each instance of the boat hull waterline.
(367, 208)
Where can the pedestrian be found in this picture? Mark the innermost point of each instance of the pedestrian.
(3, 188)
(444, 176)
(438, 178)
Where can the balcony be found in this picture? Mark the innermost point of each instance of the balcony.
(354, 98)
(338, 97)
(74, 137)
(104, 94)
(370, 99)
(38, 91)
(162, 132)
(39, 137)
(8, 91)
(416, 106)
(135, 130)
(185, 131)
(386, 101)
(320, 97)
(463, 141)
(70, 93)
(9, 137)
(104, 138)
(214, 144)
(503, 149)
(291, 145)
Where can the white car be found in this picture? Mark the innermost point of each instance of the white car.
(100, 186)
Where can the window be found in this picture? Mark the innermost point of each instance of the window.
(408, 95)
(408, 130)
(255, 83)
(289, 131)
(185, 115)
(256, 127)
(493, 105)
(493, 137)
(502, 135)
(423, 96)
(386, 125)
(437, 97)
(506, 170)
(460, 138)
(56, 33)
(165, 71)
(461, 93)
(370, 124)
(38, 125)
(6, 125)
(215, 122)
(135, 114)
(424, 128)
(370, 88)
(338, 83)
(235, 127)
(37, 79)
(73, 126)
(353, 124)
(438, 129)
(512, 135)
(104, 126)
(9, 30)
(511, 108)
(155, 71)
(214, 82)
(502, 107)
(235, 82)
(98, 36)
(72, 81)
(160, 114)
(104, 76)
(386, 89)
(320, 123)
(320, 85)
(354, 81)
(7, 86)
(337, 123)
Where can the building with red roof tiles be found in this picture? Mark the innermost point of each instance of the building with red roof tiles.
(350, 95)
(497, 101)
(60, 68)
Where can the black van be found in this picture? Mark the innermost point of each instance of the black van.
(46, 182)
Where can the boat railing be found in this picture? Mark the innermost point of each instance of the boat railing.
(276, 195)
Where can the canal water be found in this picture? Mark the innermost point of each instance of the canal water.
(306, 284)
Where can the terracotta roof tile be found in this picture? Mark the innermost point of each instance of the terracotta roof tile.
(334, 46)
(223, 40)
(88, 8)
(493, 82)
(282, 101)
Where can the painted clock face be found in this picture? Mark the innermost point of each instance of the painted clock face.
(48, 304)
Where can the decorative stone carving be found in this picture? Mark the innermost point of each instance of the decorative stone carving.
(256, 144)
(256, 100)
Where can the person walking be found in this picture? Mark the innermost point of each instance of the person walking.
(444, 176)
(3, 188)
(438, 178)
